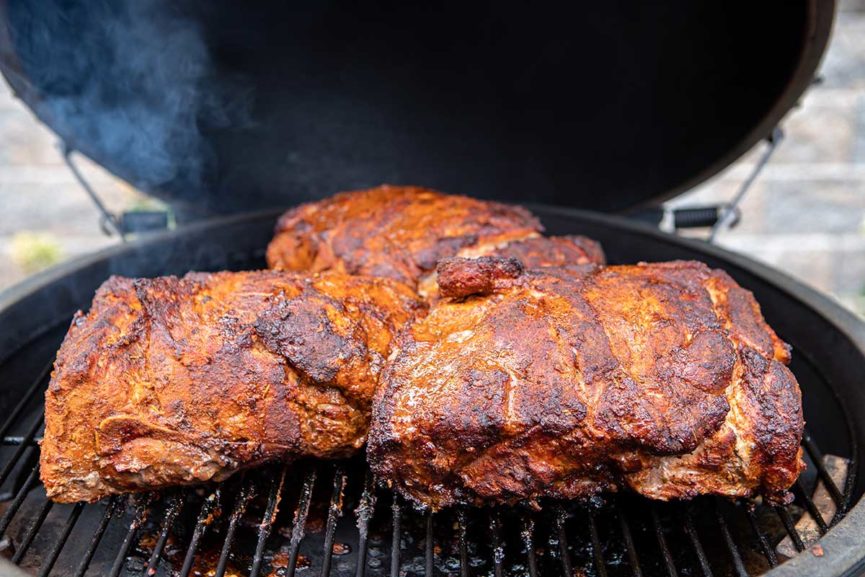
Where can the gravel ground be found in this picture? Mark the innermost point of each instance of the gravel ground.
(805, 215)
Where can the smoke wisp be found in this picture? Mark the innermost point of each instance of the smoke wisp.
(133, 84)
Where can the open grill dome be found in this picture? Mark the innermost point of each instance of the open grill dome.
(321, 518)
(217, 107)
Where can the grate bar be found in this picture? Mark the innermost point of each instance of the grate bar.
(787, 521)
(137, 521)
(28, 396)
(625, 528)
(463, 541)
(597, 551)
(31, 531)
(731, 544)
(662, 542)
(817, 457)
(202, 522)
(691, 532)
(364, 513)
(811, 507)
(765, 547)
(561, 517)
(15, 440)
(243, 499)
(298, 530)
(175, 505)
(28, 437)
(28, 461)
(528, 536)
(266, 525)
(96, 539)
(498, 547)
(334, 512)
(51, 559)
(429, 550)
(9, 514)
(396, 537)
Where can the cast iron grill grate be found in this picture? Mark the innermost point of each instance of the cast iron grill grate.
(318, 518)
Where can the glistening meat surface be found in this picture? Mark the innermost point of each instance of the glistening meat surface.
(401, 232)
(564, 382)
(172, 381)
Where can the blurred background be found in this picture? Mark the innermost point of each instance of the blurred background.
(804, 215)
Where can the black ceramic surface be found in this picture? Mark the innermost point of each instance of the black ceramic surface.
(219, 106)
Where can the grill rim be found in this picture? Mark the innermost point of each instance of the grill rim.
(841, 545)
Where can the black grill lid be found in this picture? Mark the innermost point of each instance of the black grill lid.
(225, 106)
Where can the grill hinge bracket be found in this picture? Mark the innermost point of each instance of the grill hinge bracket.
(109, 223)
(729, 212)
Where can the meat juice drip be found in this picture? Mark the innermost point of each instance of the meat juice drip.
(340, 549)
(205, 565)
(280, 561)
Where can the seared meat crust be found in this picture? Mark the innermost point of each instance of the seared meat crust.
(530, 253)
(401, 232)
(543, 251)
(565, 382)
(173, 381)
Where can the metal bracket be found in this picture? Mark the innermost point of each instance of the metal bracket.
(108, 222)
(731, 209)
